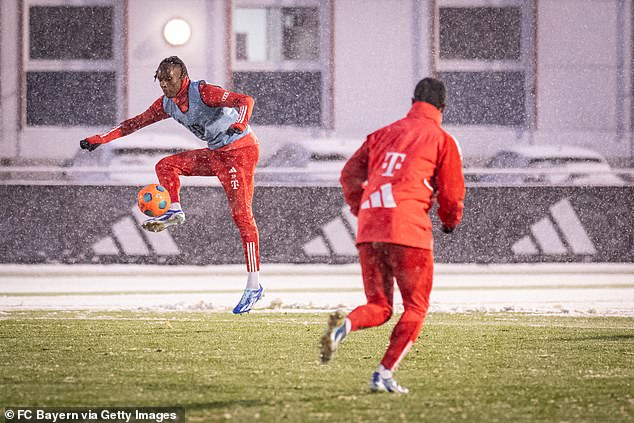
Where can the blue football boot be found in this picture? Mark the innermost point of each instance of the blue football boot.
(248, 300)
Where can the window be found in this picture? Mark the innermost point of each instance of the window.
(277, 34)
(300, 36)
(480, 33)
(65, 33)
(485, 98)
(283, 98)
(72, 64)
(70, 98)
(483, 56)
(280, 60)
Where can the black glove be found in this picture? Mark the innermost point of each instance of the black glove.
(85, 145)
(446, 229)
(233, 130)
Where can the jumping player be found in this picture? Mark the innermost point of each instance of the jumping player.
(219, 118)
(390, 183)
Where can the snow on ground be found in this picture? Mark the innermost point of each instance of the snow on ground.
(577, 289)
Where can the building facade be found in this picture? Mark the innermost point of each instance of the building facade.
(518, 71)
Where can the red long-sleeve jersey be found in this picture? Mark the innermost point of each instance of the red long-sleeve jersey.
(211, 95)
(391, 181)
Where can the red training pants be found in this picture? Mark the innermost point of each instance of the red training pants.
(235, 168)
(412, 268)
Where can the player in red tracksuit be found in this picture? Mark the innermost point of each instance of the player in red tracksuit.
(390, 183)
(220, 119)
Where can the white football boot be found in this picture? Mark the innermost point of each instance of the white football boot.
(386, 384)
(167, 219)
(333, 335)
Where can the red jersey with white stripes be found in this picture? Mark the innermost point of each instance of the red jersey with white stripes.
(390, 183)
(211, 95)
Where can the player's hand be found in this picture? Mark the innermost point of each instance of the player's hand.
(446, 229)
(234, 130)
(86, 145)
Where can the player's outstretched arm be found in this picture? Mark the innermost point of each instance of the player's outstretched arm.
(153, 114)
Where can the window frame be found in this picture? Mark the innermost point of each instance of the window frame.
(526, 63)
(322, 64)
(116, 64)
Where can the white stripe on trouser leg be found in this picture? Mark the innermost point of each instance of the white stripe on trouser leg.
(254, 259)
(251, 257)
(403, 354)
(249, 266)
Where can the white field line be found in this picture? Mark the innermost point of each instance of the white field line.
(103, 279)
(307, 269)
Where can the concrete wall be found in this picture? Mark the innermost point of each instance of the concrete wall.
(373, 65)
(583, 88)
(9, 80)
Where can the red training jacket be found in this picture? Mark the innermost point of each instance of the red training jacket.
(390, 183)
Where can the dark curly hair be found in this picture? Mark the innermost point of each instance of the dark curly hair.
(168, 62)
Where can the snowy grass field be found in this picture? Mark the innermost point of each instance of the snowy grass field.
(476, 367)
(548, 343)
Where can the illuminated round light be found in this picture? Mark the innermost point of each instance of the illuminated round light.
(177, 32)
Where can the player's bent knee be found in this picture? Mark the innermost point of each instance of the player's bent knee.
(160, 167)
(164, 166)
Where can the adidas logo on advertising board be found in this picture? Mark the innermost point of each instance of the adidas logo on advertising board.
(560, 232)
(338, 237)
(130, 239)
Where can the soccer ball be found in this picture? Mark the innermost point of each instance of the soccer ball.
(154, 200)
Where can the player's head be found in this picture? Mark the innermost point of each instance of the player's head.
(170, 73)
(432, 91)
(169, 63)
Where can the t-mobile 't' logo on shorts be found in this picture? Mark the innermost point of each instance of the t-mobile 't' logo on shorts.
(234, 178)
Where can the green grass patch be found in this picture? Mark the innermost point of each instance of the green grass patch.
(501, 367)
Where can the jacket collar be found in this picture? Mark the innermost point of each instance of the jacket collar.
(182, 97)
(421, 109)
